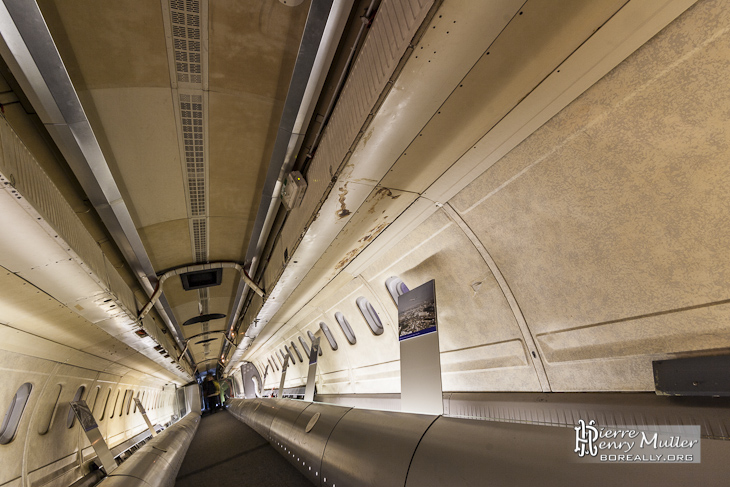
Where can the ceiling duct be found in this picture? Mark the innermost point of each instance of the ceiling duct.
(192, 269)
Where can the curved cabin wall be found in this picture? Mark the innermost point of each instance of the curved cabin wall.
(591, 249)
(60, 455)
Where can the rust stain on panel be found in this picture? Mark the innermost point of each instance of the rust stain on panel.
(371, 234)
(343, 211)
(380, 195)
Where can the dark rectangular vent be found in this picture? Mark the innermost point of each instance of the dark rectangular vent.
(199, 279)
(693, 376)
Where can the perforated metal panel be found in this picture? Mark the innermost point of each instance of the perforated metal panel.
(200, 239)
(185, 16)
(187, 31)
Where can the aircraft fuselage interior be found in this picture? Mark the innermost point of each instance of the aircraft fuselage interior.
(355, 243)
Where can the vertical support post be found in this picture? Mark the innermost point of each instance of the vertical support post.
(312, 374)
(144, 415)
(88, 423)
(420, 361)
(283, 375)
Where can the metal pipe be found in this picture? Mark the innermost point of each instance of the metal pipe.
(366, 21)
(192, 268)
(90, 479)
(156, 464)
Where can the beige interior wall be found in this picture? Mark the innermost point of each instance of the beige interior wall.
(61, 455)
(607, 226)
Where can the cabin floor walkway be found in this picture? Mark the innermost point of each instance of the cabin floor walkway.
(227, 453)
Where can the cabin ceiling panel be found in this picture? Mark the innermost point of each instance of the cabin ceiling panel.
(32, 345)
(542, 37)
(167, 244)
(457, 38)
(137, 125)
(27, 246)
(109, 44)
(230, 238)
(242, 132)
(133, 362)
(253, 46)
(616, 207)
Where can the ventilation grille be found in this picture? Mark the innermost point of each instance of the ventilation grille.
(191, 115)
(186, 39)
(186, 28)
(203, 299)
(200, 239)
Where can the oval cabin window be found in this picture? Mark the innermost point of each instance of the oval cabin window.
(106, 402)
(129, 401)
(296, 350)
(14, 413)
(396, 287)
(370, 315)
(346, 328)
(305, 347)
(116, 400)
(288, 351)
(47, 420)
(327, 333)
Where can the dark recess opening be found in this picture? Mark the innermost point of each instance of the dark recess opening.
(200, 279)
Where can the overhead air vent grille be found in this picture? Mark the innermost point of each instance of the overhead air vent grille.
(200, 239)
(185, 17)
(191, 115)
(186, 29)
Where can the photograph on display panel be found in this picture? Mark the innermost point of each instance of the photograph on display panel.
(417, 311)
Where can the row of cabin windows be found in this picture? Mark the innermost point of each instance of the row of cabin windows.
(395, 286)
(17, 406)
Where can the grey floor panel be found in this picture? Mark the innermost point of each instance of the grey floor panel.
(227, 453)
